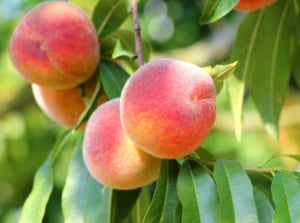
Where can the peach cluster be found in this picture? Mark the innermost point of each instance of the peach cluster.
(55, 47)
(165, 111)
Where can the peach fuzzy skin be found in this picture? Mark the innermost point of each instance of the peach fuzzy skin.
(168, 107)
(65, 106)
(55, 45)
(109, 154)
(249, 5)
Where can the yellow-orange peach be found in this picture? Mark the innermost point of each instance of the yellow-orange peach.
(55, 45)
(249, 5)
(110, 156)
(168, 107)
(65, 106)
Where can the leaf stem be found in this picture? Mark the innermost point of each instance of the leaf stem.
(137, 32)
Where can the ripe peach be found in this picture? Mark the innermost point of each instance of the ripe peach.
(168, 107)
(55, 45)
(249, 5)
(110, 156)
(65, 105)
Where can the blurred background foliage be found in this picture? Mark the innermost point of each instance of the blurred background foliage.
(172, 28)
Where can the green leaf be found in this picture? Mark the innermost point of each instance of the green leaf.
(122, 203)
(204, 155)
(34, 207)
(140, 208)
(113, 77)
(273, 65)
(245, 54)
(264, 59)
(109, 15)
(264, 207)
(83, 198)
(165, 201)
(286, 196)
(235, 193)
(295, 65)
(90, 106)
(220, 73)
(214, 10)
(198, 194)
(121, 44)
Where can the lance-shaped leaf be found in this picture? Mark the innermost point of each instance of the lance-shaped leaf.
(214, 10)
(273, 63)
(35, 205)
(286, 196)
(198, 194)
(141, 205)
(83, 198)
(264, 206)
(108, 15)
(244, 54)
(123, 202)
(165, 201)
(235, 191)
(264, 54)
(113, 77)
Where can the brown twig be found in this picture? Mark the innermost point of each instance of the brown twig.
(137, 32)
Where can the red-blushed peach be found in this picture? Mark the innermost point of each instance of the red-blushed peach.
(55, 45)
(168, 107)
(65, 106)
(250, 5)
(110, 156)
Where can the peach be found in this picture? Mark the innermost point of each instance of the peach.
(65, 106)
(55, 45)
(249, 5)
(168, 107)
(110, 156)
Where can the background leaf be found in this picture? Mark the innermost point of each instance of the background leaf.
(286, 196)
(108, 15)
(265, 59)
(83, 198)
(214, 10)
(113, 77)
(164, 203)
(235, 193)
(198, 194)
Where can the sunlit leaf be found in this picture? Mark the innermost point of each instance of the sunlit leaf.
(197, 193)
(235, 193)
(108, 15)
(214, 10)
(34, 207)
(164, 203)
(263, 51)
(286, 197)
(113, 77)
(84, 199)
